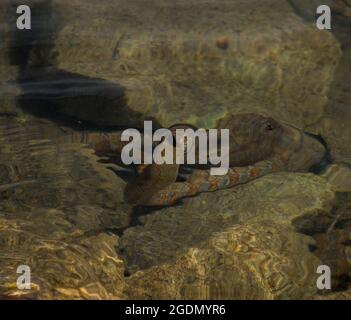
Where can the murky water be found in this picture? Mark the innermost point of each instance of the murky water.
(86, 71)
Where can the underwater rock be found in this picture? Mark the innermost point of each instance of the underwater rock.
(342, 7)
(307, 9)
(174, 66)
(262, 260)
(189, 62)
(66, 175)
(331, 232)
(332, 248)
(64, 265)
(334, 125)
(339, 176)
(166, 234)
(348, 254)
(342, 295)
(58, 224)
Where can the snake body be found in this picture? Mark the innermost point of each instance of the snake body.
(258, 146)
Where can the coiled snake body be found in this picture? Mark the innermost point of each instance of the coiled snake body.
(258, 146)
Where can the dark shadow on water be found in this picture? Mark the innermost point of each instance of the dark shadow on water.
(34, 48)
(77, 101)
(327, 158)
(66, 98)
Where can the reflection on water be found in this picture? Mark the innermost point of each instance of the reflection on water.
(71, 194)
(62, 173)
(62, 210)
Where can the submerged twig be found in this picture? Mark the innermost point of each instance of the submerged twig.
(332, 226)
(115, 53)
(7, 186)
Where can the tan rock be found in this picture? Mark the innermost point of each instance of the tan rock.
(66, 268)
(343, 295)
(190, 61)
(257, 261)
(287, 199)
(339, 176)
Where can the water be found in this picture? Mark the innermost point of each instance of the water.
(86, 71)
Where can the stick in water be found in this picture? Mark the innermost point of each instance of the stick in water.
(7, 186)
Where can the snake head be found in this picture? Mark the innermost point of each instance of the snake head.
(301, 150)
(255, 137)
(252, 137)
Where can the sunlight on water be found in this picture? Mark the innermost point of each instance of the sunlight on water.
(90, 227)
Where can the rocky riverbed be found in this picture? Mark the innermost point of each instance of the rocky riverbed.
(116, 63)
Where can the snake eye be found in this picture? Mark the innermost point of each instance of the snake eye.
(269, 126)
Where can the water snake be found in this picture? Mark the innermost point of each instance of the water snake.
(259, 145)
